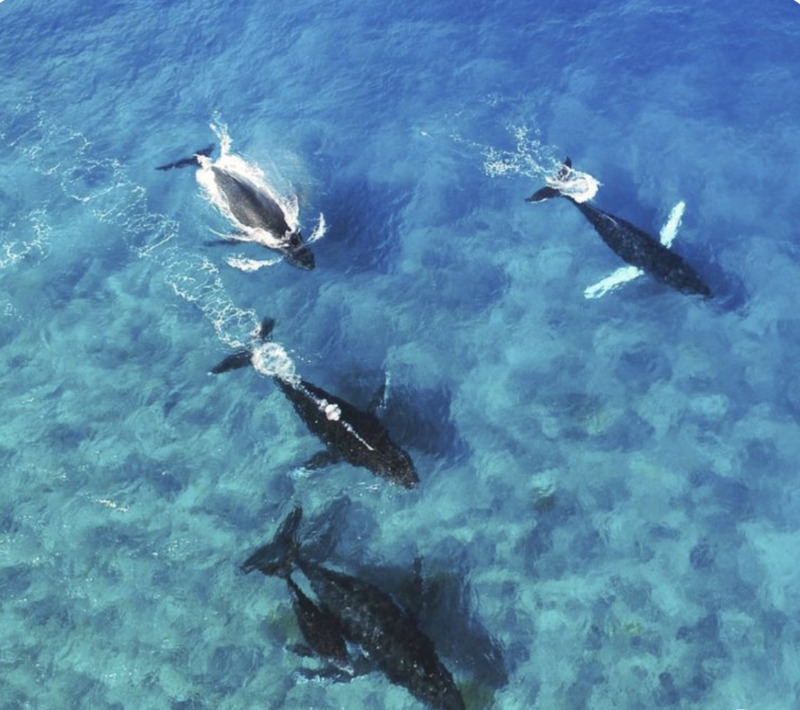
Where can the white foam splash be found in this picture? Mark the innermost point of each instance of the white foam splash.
(355, 435)
(272, 360)
(533, 159)
(331, 411)
(628, 273)
(9, 310)
(578, 185)
(108, 503)
(17, 242)
(529, 158)
(220, 129)
(386, 384)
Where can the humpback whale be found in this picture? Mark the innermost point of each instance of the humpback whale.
(626, 240)
(368, 617)
(348, 433)
(255, 213)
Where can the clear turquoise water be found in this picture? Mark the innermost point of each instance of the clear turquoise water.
(609, 504)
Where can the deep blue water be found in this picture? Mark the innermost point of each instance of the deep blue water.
(608, 514)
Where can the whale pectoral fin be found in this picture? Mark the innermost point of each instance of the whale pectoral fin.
(233, 238)
(670, 229)
(320, 460)
(619, 277)
(207, 151)
(242, 358)
(544, 194)
(378, 400)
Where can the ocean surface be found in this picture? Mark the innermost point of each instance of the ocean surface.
(608, 513)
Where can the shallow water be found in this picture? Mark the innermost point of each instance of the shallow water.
(607, 514)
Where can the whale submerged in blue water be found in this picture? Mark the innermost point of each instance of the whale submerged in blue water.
(348, 609)
(626, 240)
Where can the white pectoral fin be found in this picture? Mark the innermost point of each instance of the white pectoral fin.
(244, 264)
(670, 229)
(617, 279)
(319, 230)
(233, 237)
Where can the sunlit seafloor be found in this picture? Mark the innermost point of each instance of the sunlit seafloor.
(608, 510)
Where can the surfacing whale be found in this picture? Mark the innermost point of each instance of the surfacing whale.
(630, 243)
(350, 609)
(257, 215)
(349, 433)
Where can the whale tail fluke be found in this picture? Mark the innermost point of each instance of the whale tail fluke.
(277, 556)
(265, 331)
(544, 194)
(244, 357)
(186, 162)
(552, 189)
(241, 358)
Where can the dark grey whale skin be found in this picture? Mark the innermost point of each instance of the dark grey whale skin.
(355, 436)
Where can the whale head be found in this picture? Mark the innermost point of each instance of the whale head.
(395, 465)
(298, 253)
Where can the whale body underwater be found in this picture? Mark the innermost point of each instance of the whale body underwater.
(253, 209)
(633, 245)
(348, 609)
(349, 433)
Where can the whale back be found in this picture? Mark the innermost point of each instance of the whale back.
(640, 249)
(250, 206)
(388, 633)
(356, 436)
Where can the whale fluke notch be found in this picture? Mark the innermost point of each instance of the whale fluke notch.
(192, 160)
